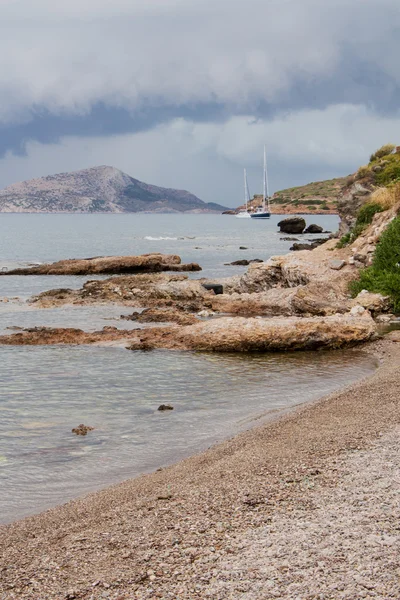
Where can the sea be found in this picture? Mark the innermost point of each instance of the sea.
(46, 391)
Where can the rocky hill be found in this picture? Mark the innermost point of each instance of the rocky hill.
(98, 189)
(319, 197)
(376, 182)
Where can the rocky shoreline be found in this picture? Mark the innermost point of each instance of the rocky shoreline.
(298, 507)
(296, 301)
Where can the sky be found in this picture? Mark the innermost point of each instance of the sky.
(185, 93)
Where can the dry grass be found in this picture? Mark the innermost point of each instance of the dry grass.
(387, 197)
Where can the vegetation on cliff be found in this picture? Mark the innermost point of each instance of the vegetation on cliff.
(384, 274)
(383, 168)
(364, 218)
(315, 197)
(374, 188)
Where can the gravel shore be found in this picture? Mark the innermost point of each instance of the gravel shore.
(304, 507)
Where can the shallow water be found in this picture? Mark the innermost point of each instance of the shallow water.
(210, 240)
(46, 391)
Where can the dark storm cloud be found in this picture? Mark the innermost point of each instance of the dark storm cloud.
(95, 67)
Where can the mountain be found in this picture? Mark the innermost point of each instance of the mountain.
(98, 189)
(316, 197)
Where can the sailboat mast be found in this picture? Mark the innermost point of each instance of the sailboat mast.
(245, 188)
(266, 191)
(264, 179)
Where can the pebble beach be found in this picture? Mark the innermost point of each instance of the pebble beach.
(303, 506)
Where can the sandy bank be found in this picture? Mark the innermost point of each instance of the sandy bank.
(296, 508)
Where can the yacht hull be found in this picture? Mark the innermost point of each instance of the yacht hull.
(265, 215)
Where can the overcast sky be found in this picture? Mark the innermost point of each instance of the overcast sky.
(184, 93)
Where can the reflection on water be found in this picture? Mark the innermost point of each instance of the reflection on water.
(46, 391)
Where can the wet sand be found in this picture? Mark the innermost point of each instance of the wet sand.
(302, 507)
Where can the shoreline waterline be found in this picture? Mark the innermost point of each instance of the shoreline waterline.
(131, 437)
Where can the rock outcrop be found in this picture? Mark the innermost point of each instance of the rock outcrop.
(142, 290)
(237, 334)
(227, 334)
(43, 336)
(350, 201)
(145, 263)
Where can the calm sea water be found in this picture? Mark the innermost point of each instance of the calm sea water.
(46, 391)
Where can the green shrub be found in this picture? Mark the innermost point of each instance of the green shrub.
(384, 274)
(344, 240)
(382, 151)
(312, 207)
(367, 212)
(391, 172)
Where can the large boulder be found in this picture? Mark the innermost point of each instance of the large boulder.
(292, 225)
(314, 229)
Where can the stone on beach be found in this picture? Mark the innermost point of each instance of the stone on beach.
(336, 264)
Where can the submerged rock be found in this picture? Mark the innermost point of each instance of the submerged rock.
(82, 429)
(244, 262)
(161, 315)
(292, 225)
(165, 407)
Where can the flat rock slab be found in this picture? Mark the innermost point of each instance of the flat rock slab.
(336, 264)
(145, 263)
(239, 334)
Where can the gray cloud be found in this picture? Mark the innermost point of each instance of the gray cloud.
(206, 81)
(208, 157)
(66, 58)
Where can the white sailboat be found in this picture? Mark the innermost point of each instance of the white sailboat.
(263, 212)
(244, 214)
